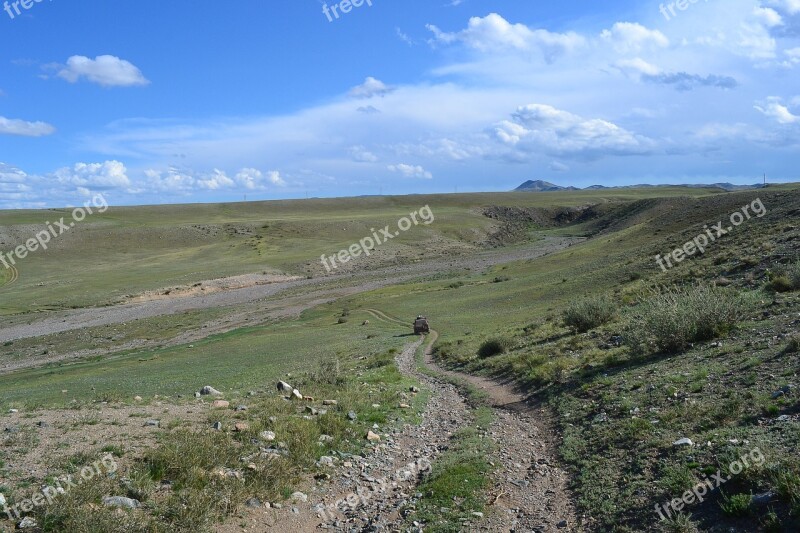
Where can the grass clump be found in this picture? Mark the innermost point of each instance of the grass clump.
(786, 279)
(672, 320)
(589, 313)
(493, 347)
(737, 505)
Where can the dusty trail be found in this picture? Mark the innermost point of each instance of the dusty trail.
(529, 491)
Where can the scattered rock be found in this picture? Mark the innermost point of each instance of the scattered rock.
(208, 390)
(562, 524)
(220, 404)
(217, 426)
(241, 426)
(254, 503)
(683, 442)
(352, 415)
(762, 500)
(27, 523)
(405, 406)
(330, 402)
(42, 424)
(267, 435)
(241, 408)
(784, 418)
(12, 411)
(365, 323)
(325, 460)
(121, 501)
(373, 437)
(284, 387)
(325, 438)
(415, 390)
(299, 497)
(296, 394)
(152, 423)
(137, 398)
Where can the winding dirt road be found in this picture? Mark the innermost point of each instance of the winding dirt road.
(528, 490)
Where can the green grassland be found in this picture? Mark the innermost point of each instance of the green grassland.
(620, 412)
(128, 250)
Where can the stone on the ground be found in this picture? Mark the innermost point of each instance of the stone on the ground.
(267, 435)
(414, 390)
(405, 406)
(220, 404)
(241, 426)
(310, 410)
(373, 437)
(683, 442)
(27, 523)
(352, 415)
(330, 402)
(241, 408)
(284, 387)
(326, 460)
(2, 499)
(299, 497)
(152, 423)
(297, 395)
(325, 438)
(217, 426)
(208, 390)
(121, 501)
(137, 398)
(254, 503)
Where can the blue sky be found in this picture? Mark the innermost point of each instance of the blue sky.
(162, 102)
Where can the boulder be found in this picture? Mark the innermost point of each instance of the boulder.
(121, 501)
(208, 390)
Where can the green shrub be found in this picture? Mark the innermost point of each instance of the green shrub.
(670, 321)
(342, 320)
(786, 279)
(737, 505)
(493, 347)
(589, 313)
(794, 345)
(680, 523)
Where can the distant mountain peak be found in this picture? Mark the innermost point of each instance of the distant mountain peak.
(539, 186)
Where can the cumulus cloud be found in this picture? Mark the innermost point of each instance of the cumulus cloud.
(185, 181)
(370, 88)
(24, 128)
(410, 171)
(109, 174)
(540, 128)
(106, 70)
(494, 33)
(628, 37)
(774, 109)
(682, 81)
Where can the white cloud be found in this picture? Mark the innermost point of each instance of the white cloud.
(109, 174)
(790, 7)
(539, 128)
(411, 171)
(24, 128)
(767, 16)
(494, 33)
(106, 70)
(362, 155)
(370, 88)
(628, 37)
(557, 166)
(773, 109)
